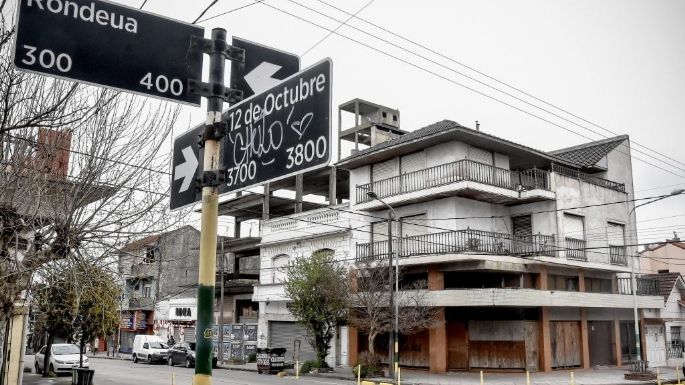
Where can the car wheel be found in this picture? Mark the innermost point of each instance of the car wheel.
(37, 368)
(189, 364)
(135, 358)
(171, 361)
(149, 359)
(52, 369)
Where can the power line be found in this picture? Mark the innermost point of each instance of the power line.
(417, 66)
(205, 10)
(488, 76)
(227, 12)
(337, 28)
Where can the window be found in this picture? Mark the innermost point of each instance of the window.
(150, 253)
(279, 263)
(574, 226)
(22, 244)
(385, 114)
(675, 333)
(562, 283)
(615, 234)
(147, 291)
(598, 285)
(394, 118)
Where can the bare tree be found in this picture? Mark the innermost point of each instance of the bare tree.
(370, 312)
(81, 172)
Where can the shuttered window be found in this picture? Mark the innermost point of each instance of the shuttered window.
(414, 225)
(573, 226)
(413, 162)
(479, 155)
(383, 170)
(279, 264)
(615, 234)
(522, 225)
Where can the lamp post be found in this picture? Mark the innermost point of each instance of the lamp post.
(633, 282)
(393, 346)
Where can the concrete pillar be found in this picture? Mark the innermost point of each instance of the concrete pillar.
(437, 345)
(614, 284)
(541, 283)
(545, 341)
(643, 341)
(352, 345)
(617, 342)
(584, 341)
(581, 281)
(436, 278)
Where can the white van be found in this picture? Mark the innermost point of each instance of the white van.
(149, 349)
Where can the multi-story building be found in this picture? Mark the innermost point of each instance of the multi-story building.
(525, 252)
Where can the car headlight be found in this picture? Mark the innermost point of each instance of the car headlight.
(60, 362)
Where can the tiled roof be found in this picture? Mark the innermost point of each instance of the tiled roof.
(137, 245)
(588, 154)
(665, 282)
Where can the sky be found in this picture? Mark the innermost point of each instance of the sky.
(617, 65)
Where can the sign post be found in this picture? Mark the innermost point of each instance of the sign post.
(107, 44)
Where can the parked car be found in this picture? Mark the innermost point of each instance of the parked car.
(150, 349)
(63, 358)
(184, 353)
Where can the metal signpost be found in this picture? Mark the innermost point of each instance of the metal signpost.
(107, 44)
(262, 69)
(281, 132)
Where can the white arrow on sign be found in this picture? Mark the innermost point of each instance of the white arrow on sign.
(186, 170)
(261, 77)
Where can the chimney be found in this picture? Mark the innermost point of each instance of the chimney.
(477, 126)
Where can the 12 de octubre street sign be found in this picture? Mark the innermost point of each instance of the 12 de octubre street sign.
(283, 131)
(110, 45)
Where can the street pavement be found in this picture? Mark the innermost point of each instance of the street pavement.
(122, 372)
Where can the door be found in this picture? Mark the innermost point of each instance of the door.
(565, 343)
(284, 335)
(600, 343)
(457, 346)
(656, 345)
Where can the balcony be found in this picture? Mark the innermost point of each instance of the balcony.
(143, 270)
(617, 255)
(575, 249)
(587, 178)
(143, 303)
(466, 178)
(306, 224)
(645, 286)
(460, 241)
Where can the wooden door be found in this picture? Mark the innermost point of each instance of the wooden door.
(600, 343)
(565, 343)
(457, 346)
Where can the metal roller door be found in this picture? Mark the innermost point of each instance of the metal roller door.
(189, 334)
(284, 334)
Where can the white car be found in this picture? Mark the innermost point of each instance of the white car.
(63, 358)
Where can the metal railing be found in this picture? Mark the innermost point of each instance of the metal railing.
(459, 241)
(597, 181)
(617, 255)
(462, 170)
(575, 249)
(645, 286)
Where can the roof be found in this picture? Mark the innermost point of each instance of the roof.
(136, 245)
(449, 130)
(588, 154)
(666, 281)
(656, 246)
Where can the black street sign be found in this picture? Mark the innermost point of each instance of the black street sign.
(186, 168)
(283, 131)
(106, 44)
(264, 67)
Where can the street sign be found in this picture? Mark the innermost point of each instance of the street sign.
(107, 44)
(264, 67)
(186, 168)
(281, 132)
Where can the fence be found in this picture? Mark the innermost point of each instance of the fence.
(645, 286)
(597, 181)
(617, 255)
(575, 249)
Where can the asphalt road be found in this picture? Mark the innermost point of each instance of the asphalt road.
(120, 372)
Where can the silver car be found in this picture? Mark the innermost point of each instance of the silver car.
(63, 358)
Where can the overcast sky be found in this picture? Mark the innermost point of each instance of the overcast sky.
(616, 63)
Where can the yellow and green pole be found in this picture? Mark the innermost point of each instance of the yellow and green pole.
(208, 226)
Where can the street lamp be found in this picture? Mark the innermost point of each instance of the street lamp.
(393, 348)
(633, 281)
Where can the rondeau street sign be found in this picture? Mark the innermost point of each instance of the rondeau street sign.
(107, 44)
(283, 131)
(263, 68)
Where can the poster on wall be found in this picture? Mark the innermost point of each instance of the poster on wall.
(215, 332)
(227, 332)
(237, 332)
(250, 332)
(227, 351)
(236, 350)
(250, 349)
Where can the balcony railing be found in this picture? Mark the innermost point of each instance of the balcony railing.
(462, 170)
(141, 303)
(575, 249)
(617, 255)
(597, 181)
(645, 286)
(459, 241)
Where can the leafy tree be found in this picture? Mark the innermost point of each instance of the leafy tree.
(318, 289)
(78, 301)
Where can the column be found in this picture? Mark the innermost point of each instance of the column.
(584, 341)
(545, 335)
(437, 336)
(617, 342)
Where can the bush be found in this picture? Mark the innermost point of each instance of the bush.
(309, 366)
(369, 364)
(252, 357)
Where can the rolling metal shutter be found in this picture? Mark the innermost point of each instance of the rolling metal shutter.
(414, 225)
(284, 334)
(615, 234)
(383, 170)
(413, 162)
(479, 155)
(522, 225)
(573, 226)
(189, 334)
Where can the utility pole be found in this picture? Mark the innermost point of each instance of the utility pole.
(221, 307)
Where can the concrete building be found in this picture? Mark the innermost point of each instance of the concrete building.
(664, 326)
(668, 255)
(524, 251)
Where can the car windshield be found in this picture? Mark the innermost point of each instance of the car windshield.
(64, 349)
(158, 345)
